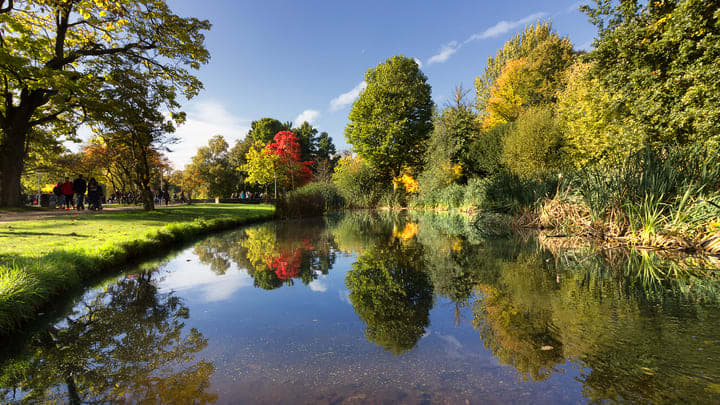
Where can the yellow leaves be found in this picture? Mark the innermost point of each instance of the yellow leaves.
(506, 95)
(407, 181)
(408, 232)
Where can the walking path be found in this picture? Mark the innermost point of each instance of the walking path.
(29, 215)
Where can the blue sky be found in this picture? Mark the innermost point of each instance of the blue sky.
(306, 59)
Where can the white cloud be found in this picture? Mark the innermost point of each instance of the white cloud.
(205, 119)
(318, 286)
(419, 62)
(446, 51)
(344, 296)
(500, 28)
(308, 115)
(503, 27)
(348, 98)
(575, 7)
(193, 276)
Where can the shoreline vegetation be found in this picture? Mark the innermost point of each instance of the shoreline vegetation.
(617, 144)
(41, 260)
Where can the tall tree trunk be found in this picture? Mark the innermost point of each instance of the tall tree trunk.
(15, 127)
(12, 155)
(147, 198)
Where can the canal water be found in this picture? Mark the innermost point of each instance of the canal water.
(381, 308)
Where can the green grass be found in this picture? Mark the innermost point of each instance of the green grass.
(42, 259)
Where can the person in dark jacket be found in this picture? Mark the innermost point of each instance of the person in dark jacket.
(57, 190)
(93, 189)
(67, 191)
(79, 187)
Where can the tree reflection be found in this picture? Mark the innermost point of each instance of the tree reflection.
(273, 254)
(391, 294)
(127, 344)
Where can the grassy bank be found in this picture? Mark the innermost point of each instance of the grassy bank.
(42, 259)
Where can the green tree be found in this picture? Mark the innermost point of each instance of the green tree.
(237, 157)
(308, 139)
(326, 148)
(392, 118)
(212, 166)
(57, 55)
(533, 145)
(265, 129)
(357, 181)
(663, 61)
(447, 151)
(127, 117)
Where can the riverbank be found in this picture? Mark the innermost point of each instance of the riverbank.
(42, 259)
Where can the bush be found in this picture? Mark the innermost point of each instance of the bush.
(532, 147)
(484, 156)
(359, 183)
(311, 200)
(509, 192)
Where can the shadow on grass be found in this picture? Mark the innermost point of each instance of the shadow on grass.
(42, 234)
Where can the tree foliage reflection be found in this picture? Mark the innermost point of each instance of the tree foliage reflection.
(127, 344)
(390, 291)
(273, 254)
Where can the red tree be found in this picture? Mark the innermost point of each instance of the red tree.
(287, 148)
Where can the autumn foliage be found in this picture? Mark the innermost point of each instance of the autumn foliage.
(287, 150)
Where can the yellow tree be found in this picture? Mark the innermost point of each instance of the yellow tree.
(508, 95)
(592, 129)
(260, 166)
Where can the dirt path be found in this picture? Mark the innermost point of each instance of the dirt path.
(29, 215)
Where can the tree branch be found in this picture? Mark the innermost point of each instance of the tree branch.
(46, 119)
(57, 63)
(7, 9)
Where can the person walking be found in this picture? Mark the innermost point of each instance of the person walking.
(79, 187)
(93, 189)
(166, 196)
(57, 191)
(67, 191)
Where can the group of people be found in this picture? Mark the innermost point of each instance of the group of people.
(69, 194)
(246, 195)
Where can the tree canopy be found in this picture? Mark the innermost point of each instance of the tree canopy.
(663, 61)
(57, 56)
(392, 118)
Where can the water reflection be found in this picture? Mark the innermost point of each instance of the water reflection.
(125, 344)
(439, 301)
(273, 254)
(391, 294)
(639, 326)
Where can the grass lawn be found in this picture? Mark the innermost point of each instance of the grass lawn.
(43, 258)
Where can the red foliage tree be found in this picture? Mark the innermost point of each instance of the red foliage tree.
(287, 148)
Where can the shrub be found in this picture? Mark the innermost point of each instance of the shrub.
(484, 156)
(507, 191)
(314, 199)
(532, 147)
(359, 183)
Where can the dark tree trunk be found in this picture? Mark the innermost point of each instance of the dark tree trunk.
(14, 129)
(12, 155)
(147, 198)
